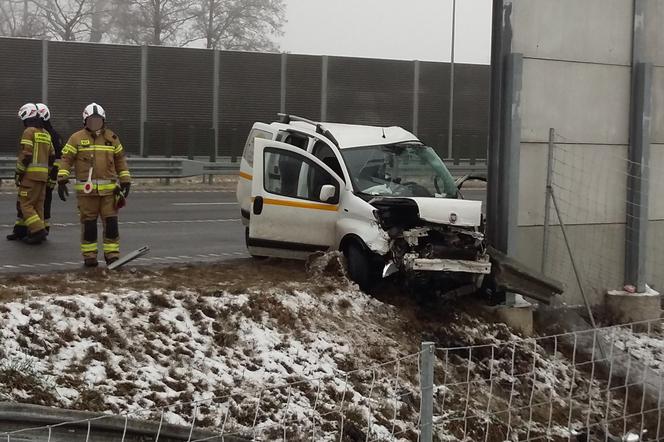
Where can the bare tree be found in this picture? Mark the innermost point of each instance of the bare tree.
(18, 18)
(240, 24)
(154, 22)
(65, 19)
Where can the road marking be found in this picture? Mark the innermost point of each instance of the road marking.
(204, 204)
(182, 258)
(131, 223)
(158, 191)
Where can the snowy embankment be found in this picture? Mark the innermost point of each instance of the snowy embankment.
(315, 353)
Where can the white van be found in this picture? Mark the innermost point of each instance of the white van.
(378, 194)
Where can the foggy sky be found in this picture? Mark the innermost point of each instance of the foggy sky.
(399, 29)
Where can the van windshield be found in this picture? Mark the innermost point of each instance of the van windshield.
(410, 170)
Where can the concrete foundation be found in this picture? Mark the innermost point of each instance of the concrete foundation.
(518, 318)
(644, 308)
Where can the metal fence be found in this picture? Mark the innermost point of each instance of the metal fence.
(599, 384)
(196, 102)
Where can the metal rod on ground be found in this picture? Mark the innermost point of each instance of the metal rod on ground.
(547, 201)
(427, 355)
(571, 257)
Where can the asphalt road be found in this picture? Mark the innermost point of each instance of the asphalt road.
(179, 226)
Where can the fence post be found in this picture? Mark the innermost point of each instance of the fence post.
(427, 356)
(44, 71)
(191, 145)
(323, 88)
(215, 103)
(284, 71)
(145, 140)
(450, 126)
(547, 200)
(144, 100)
(416, 96)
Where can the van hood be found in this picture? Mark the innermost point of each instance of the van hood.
(454, 212)
(405, 212)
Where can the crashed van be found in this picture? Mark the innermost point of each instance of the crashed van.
(378, 194)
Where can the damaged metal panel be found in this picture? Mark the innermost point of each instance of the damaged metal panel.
(510, 275)
(412, 262)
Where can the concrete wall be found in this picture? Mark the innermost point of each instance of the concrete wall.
(577, 57)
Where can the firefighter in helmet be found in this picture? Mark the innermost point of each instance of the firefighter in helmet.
(45, 115)
(36, 156)
(102, 182)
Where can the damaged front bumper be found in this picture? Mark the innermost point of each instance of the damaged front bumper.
(412, 262)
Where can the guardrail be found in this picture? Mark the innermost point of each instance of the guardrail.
(161, 167)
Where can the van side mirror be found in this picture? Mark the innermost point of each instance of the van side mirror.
(327, 192)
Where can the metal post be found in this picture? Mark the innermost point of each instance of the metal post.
(215, 105)
(416, 96)
(636, 234)
(510, 155)
(427, 356)
(44, 71)
(501, 43)
(323, 88)
(144, 98)
(450, 127)
(192, 142)
(547, 200)
(637, 178)
(577, 275)
(284, 72)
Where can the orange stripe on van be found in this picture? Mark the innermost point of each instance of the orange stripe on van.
(301, 205)
(246, 176)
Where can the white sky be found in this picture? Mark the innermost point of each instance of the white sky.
(398, 29)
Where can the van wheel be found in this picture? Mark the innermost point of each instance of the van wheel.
(361, 267)
(246, 243)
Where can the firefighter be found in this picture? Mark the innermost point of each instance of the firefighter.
(45, 115)
(102, 181)
(35, 157)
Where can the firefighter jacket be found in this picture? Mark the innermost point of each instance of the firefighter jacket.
(56, 139)
(99, 151)
(36, 155)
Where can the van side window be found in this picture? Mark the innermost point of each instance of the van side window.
(296, 139)
(282, 174)
(324, 152)
(248, 152)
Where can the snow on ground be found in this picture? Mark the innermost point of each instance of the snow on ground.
(273, 350)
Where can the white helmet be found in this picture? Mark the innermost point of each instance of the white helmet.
(43, 111)
(93, 109)
(27, 111)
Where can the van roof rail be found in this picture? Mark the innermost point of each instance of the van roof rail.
(287, 118)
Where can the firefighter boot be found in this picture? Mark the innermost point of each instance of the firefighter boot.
(18, 233)
(36, 238)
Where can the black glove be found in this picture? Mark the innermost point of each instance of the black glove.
(17, 178)
(125, 189)
(63, 192)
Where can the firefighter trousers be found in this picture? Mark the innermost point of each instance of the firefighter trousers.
(90, 208)
(31, 196)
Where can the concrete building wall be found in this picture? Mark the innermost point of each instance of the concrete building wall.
(577, 57)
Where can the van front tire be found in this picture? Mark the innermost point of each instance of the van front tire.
(361, 266)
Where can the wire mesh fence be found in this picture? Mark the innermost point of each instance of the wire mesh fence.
(597, 384)
(592, 185)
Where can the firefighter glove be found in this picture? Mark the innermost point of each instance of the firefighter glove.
(17, 178)
(63, 192)
(125, 189)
